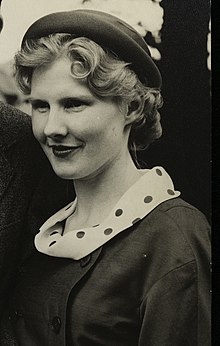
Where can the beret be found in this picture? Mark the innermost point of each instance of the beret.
(108, 31)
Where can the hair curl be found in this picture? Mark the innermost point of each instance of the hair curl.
(106, 76)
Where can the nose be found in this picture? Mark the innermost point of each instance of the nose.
(55, 125)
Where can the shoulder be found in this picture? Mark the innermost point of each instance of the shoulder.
(181, 216)
(171, 243)
(178, 213)
(187, 218)
(179, 205)
(14, 125)
(178, 230)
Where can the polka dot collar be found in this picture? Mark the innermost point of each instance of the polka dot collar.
(153, 188)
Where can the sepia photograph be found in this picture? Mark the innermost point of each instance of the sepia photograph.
(105, 173)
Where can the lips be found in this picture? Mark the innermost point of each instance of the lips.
(63, 151)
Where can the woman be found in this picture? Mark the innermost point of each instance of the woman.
(125, 263)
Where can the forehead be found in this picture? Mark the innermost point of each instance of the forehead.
(57, 68)
(56, 79)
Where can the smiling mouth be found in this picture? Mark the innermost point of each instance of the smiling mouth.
(63, 151)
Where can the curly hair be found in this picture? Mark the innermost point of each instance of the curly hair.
(106, 76)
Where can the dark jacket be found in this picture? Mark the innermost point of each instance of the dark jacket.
(25, 176)
(148, 286)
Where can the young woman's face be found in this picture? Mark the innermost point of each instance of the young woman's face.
(80, 134)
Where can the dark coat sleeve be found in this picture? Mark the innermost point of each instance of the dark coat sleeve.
(176, 310)
(169, 312)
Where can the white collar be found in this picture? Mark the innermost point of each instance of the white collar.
(153, 188)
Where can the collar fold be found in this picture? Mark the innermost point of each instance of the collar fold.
(153, 188)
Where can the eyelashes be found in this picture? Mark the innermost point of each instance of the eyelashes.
(68, 104)
(40, 106)
(74, 103)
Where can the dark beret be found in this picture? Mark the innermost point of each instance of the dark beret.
(108, 31)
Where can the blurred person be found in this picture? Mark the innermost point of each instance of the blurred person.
(126, 262)
(23, 173)
(9, 92)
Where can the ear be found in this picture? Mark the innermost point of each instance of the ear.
(132, 113)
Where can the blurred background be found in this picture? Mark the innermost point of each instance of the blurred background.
(178, 33)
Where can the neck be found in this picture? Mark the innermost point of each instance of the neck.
(98, 195)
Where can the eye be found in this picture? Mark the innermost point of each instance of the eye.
(40, 106)
(75, 105)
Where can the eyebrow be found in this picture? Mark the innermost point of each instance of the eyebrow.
(63, 99)
(32, 100)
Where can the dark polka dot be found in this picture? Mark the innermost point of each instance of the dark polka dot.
(54, 232)
(52, 243)
(148, 199)
(136, 220)
(68, 207)
(170, 192)
(108, 231)
(96, 225)
(80, 234)
(118, 212)
(158, 171)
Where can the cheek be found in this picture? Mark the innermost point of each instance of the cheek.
(88, 130)
(38, 128)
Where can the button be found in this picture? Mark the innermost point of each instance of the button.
(56, 324)
(85, 261)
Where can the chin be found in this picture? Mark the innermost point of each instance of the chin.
(62, 173)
